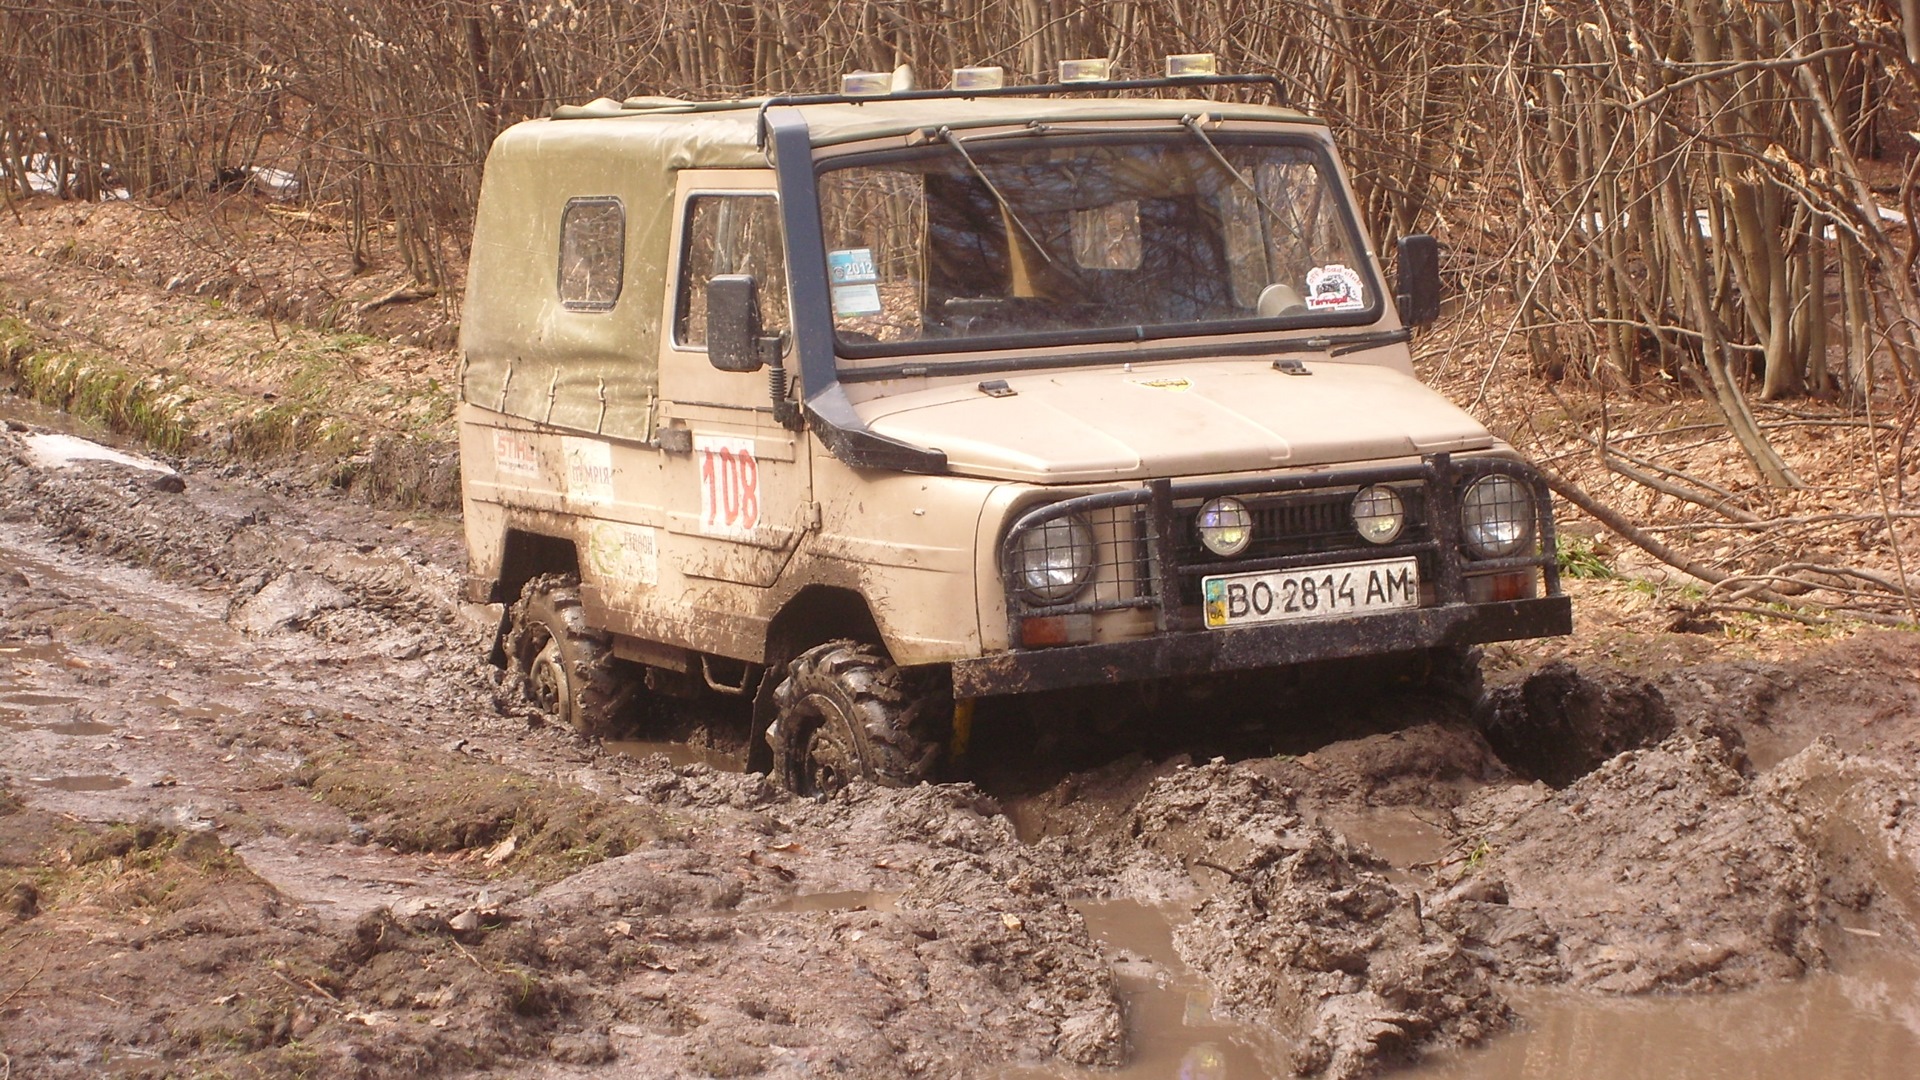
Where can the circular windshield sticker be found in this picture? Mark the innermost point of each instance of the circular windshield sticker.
(1334, 288)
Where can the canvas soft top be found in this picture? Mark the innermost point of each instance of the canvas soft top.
(526, 356)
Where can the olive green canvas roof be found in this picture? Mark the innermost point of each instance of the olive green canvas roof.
(528, 355)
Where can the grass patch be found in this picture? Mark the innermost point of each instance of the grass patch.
(1579, 557)
(148, 407)
(445, 803)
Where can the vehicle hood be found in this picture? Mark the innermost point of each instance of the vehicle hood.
(1063, 427)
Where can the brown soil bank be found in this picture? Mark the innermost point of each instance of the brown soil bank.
(238, 332)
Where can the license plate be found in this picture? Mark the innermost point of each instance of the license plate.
(1324, 592)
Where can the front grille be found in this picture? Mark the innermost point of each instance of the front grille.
(1299, 525)
(1291, 525)
(1148, 553)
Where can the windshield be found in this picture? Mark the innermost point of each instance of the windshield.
(1056, 239)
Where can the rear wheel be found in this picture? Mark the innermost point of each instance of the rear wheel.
(845, 710)
(564, 669)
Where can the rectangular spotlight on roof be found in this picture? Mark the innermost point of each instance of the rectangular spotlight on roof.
(866, 83)
(1078, 71)
(978, 78)
(1189, 65)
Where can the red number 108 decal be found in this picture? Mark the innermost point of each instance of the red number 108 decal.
(729, 485)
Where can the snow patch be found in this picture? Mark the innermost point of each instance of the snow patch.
(50, 450)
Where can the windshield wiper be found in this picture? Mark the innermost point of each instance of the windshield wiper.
(946, 134)
(1192, 123)
(1342, 344)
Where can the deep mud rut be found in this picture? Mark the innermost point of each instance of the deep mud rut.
(263, 813)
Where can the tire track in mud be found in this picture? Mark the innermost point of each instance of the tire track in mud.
(671, 952)
(302, 673)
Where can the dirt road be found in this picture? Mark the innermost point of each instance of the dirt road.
(262, 812)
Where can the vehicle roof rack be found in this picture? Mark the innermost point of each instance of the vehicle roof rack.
(1271, 82)
(1039, 90)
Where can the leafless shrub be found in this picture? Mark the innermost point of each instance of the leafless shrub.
(1704, 190)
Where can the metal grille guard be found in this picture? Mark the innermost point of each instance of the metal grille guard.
(1137, 562)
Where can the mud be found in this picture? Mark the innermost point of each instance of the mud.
(262, 811)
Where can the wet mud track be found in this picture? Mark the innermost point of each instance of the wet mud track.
(262, 812)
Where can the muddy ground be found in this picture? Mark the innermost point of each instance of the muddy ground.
(263, 811)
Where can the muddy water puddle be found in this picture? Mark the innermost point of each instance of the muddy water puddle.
(37, 701)
(676, 753)
(1862, 1023)
(1172, 1033)
(1397, 834)
(82, 782)
(76, 728)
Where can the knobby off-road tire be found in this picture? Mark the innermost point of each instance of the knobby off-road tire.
(564, 668)
(1453, 672)
(844, 711)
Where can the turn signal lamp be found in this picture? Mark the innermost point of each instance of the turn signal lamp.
(978, 78)
(866, 83)
(1189, 65)
(1078, 71)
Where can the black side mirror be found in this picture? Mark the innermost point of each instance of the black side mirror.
(734, 340)
(1418, 289)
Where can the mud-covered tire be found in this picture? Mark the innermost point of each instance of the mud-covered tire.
(1453, 671)
(562, 667)
(845, 710)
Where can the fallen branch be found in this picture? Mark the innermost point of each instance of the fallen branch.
(1617, 462)
(1774, 613)
(1639, 538)
(404, 294)
(21, 989)
(1763, 524)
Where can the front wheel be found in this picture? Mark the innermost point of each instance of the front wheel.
(564, 668)
(845, 710)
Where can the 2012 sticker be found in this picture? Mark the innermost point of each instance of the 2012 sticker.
(855, 281)
(729, 486)
(1335, 287)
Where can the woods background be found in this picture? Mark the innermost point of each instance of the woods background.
(1708, 193)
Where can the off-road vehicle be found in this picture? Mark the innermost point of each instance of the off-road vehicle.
(862, 408)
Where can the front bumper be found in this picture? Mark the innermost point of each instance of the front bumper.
(1201, 652)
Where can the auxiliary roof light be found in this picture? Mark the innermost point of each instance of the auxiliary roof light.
(978, 78)
(1079, 71)
(1191, 65)
(866, 83)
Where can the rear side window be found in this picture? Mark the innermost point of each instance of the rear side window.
(730, 234)
(593, 252)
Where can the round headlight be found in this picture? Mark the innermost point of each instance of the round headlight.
(1225, 526)
(1496, 517)
(1379, 515)
(1054, 560)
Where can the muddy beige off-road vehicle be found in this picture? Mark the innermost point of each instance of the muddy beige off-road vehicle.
(1056, 386)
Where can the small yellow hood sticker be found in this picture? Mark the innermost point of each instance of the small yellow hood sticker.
(1174, 383)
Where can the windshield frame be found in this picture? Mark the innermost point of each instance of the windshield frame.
(1010, 346)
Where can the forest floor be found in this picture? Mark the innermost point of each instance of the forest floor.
(264, 810)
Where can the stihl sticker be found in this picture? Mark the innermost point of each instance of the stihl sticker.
(514, 455)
